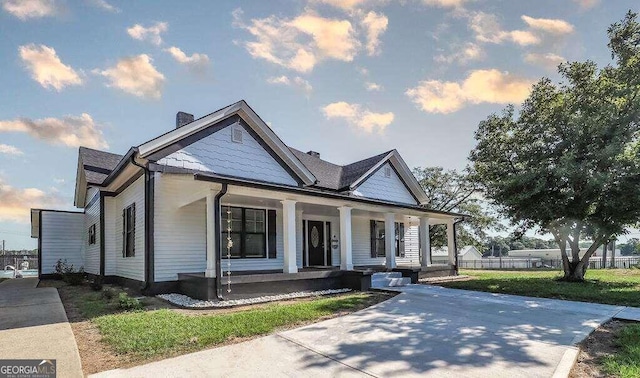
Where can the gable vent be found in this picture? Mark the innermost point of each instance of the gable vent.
(387, 171)
(236, 134)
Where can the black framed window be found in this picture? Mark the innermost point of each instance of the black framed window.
(129, 231)
(378, 248)
(92, 234)
(248, 232)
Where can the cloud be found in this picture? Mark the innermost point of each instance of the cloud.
(71, 131)
(548, 25)
(135, 75)
(487, 29)
(357, 116)
(151, 34)
(470, 51)
(587, 4)
(297, 81)
(480, 86)
(375, 24)
(197, 62)
(301, 42)
(26, 9)
(445, 3)
(373, 87)
(10, 150)
(548, 60)
(102, 4)
(15, 203)
(346, 5)
(46, 67)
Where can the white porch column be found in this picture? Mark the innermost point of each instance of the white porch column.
(346, 252)
(211, 236)
(425, 242)
(390, 239)
(451, 243)
(289, 235)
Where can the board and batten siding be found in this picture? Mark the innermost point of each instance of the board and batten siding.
(62, 237)
(130, 267)
(361, 238)
(92, 251)
(218, 153)
(381, 187)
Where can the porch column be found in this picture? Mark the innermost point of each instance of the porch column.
(211, 236)
(425, 242)
(346, 253)
(390, 239)
(289, 235)
(451, 243)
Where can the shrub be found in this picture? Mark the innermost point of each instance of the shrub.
(127, 303)
(68, 273)
(108, 294)
(96, 284)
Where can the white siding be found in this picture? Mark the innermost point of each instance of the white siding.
(391, 188)
(130, 267)
(217, 153)
(361, 236)
(62, 237)
(111, 251)
(92, 251)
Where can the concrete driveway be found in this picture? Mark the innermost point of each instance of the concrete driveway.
(424, 331)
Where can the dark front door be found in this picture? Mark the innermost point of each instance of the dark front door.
(315, 241)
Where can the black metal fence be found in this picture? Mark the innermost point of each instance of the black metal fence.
(537, 263)
(21, 262)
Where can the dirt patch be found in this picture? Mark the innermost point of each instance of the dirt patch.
(97, 356)
(599, 344)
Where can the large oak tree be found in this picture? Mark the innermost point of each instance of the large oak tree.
(569, 161)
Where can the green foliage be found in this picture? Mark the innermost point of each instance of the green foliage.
(569, 161)
(68, 273)
(128, 303)
(450, 190)
(499, 245)
(631, 247)
(152, 333)
(108, 293)
(609, 286)
(625, 363)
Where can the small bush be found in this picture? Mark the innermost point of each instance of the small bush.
(68, 273)
(96, 284)
(108, 294)
(127, 303)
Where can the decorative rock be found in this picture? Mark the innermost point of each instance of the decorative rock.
(185, 301)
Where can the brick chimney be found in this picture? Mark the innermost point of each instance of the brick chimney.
(314, 154)
(183, 118)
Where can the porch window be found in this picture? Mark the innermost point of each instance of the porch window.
(377, 239)
(248, 232)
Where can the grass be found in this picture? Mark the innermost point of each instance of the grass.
(626, 362)
(609, 286)
(163, 332)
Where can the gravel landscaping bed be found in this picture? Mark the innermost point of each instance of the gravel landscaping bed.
(185, 301)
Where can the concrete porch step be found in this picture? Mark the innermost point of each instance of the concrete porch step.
(389, 279)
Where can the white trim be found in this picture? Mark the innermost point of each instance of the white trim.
(243, 110)
(406, 176)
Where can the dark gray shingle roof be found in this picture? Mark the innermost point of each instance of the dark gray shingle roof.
(97, 164)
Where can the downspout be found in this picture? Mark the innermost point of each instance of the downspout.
(218, 231)
(149, 206)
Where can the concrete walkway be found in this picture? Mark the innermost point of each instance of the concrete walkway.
(34, 325)
(424, 331)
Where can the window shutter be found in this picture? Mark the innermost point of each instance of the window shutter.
(124, 232)
(374, 241)
(271, 233)
(401, 239)
(133, 229)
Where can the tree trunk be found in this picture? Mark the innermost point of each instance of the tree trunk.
(576, 271)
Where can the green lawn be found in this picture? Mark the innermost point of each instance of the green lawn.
(164, 332)
(626, 362)
(610, 286)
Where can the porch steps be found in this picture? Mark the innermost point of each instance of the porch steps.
(389, 279)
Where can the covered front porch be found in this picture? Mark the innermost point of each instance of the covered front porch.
(289, 241)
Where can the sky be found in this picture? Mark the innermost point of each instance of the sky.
(347, 78)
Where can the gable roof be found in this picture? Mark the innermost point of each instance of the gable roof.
(97, 165)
